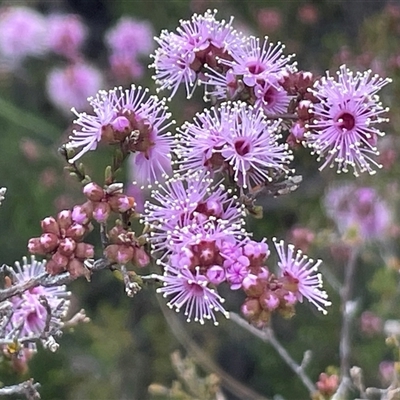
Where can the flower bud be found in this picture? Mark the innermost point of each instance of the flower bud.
(84, 251)
(49, 225)
(67, 246)
(35, 247)
(64, 219)
(216, 274)
(49, 242)
(77, 269)
(121, 203)
(251, 286)
(59, 259)
(101, 212)
(140, 257)
(269, 301)
(119, 253)
(53, 268)
(81, 214)
(76, 232)
(251, 308)
(93, 191)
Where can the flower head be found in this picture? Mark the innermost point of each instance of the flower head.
(300, 275)
(66, 35)
(23, 33)
(31, 309)
(189, 208)
(259, 62)
(182, 54)
(190, 292)
(359, 208)
(72, 85)
(236, 139)
(130, 117)
(130, 36)
(344, 128)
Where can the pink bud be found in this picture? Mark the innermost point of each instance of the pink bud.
(269, 301)
(76, 232)
(252, 286)
(67, 246)
(64, 219)
(82, 213)
(84, 251)
(53, 268)
(77, 269)
(140, 257)
(101, 212)
(121, 124)
(119, 253)
(60, 260)
(216, 274)
(49, 225)
(49, 242)
(121, 203)
(251, 308)
(35, 247)
(93, 191)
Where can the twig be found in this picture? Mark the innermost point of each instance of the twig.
(131, 287)
(268, 336)
(27, 388)
(202, 359)
(47, 280)
(349, 308)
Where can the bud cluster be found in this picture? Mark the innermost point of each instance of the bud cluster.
(125, 247)
(101, 202)
(62, 242)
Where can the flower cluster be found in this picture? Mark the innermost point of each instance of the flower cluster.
(335, 118)
(128, 40)
(236, 139)
(198, 229)
(38, 309)
(182, 55)
(101, 202)
(358, 209)
(135, 122)
(345, 117)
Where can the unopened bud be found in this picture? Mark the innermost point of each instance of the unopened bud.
(93, 191)
(84, 251)
(64, 219)
(121, 203)
(140, 257)
(50, 225)
(82, 214)
(35, 246)
(76, 232)
(101, 212)
(67, 246)
(49, 242)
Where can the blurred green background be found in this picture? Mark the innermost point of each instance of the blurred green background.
(127, 345)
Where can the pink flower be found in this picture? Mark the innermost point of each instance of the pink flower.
(66, 34)
(29, 311)
(300, 274)
(344, 130)
(131, 37)
(71, 86)
(190, 292)
(23, 33)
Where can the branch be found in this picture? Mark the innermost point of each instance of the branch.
(202, 359)
(47, 280)
(27, 388)
(349, 309)
(268, 336)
